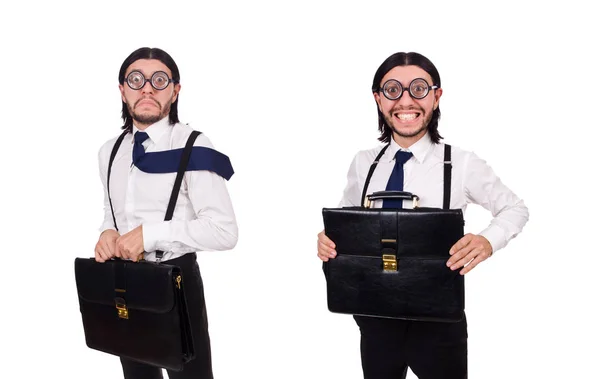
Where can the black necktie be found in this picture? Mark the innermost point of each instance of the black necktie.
(396, 181)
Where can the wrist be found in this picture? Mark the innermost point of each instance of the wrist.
(108, 231)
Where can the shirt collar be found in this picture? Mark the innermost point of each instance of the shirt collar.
(419, 149)
(156, 130)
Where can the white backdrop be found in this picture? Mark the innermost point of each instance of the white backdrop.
(283, 89)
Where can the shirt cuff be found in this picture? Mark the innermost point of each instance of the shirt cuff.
(106, 226)
(153, 232)
(495, 235)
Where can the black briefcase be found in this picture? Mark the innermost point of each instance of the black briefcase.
(135, 310)
(392, 262)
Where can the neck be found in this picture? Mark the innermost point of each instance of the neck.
(140, 126)
(407, 141)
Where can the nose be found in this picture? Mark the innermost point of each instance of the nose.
(147, 87)
(405, 99)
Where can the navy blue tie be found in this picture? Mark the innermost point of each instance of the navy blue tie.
(160, 162)
(396, 181)
(138, 148)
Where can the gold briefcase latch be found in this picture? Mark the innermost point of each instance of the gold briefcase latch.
(121, 308)
(389, 263)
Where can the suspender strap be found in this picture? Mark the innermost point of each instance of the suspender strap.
(363, 198)
(185, 158)
(447, 176)
(113, 154)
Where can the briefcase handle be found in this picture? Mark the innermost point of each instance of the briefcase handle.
(387, 195)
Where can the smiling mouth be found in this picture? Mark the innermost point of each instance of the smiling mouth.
(406, 117)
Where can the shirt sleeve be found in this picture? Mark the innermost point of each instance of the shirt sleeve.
(213, 228)
(353, 190)
(483, 187)
(103, 156)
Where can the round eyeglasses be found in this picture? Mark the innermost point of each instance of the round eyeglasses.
(418, 89)
(159, 80)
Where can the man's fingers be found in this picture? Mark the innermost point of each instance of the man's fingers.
(325, 247)
(108, 250)
(463, 262)
(458, 255)
(325, 240)
(102, 252)
(327, 252)
(322, 256)
(108, 247)
(98, 256)
(478, 259)
(461, 243)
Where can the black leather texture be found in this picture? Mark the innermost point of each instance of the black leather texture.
(422, 288)
(157, 331)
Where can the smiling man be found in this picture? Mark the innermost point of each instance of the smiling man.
(407, 90)
(146, 159)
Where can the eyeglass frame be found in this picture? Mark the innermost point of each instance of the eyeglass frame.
(428, 87)
(169, 80)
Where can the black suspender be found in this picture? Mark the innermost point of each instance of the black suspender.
(185, 157)
(363, 198)
(447, 175)
(113, 154)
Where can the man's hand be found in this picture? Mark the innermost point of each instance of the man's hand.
(325, 247)
(106, 247)
(468, 252)
(131, 245)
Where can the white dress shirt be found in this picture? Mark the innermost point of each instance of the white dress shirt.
(473, 181)
(203, 218)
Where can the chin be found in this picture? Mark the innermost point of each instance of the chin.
(147, 118)
(410, 131)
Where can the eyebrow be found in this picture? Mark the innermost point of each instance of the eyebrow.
(410, 81)
(138, 70)
(145, 75)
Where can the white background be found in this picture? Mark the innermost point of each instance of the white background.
(283, 89)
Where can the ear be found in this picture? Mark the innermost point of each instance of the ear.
(122, 90)
(438, 94)
(176, 90)
(377, 100)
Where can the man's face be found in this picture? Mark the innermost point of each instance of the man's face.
(148, 105)
(408, 117)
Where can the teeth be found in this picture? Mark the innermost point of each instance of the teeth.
(406, 116)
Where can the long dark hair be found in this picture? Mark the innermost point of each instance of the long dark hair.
(149, 53)
(407, 59)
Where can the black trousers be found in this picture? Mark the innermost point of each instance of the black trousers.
(432, 350)
(200, 367)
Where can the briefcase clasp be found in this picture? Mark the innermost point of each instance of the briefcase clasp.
(389, 263)
(121, 308)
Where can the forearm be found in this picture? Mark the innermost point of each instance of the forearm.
(200, 234)
(506, 225)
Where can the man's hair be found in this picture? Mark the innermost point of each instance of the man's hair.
(149, 53)
(407, 59)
